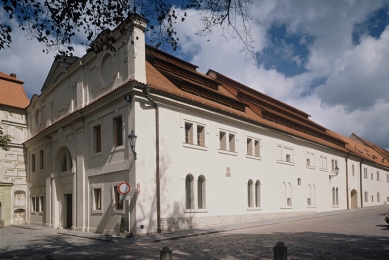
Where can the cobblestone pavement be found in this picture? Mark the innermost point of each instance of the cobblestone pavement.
(356, 235)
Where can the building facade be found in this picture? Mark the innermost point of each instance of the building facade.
(13, 185)
(209, 150)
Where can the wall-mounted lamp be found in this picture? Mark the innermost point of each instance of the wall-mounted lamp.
(336, 172)
(132, 138)
(128, 98)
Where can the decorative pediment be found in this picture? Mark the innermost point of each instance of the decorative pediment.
(58, 70)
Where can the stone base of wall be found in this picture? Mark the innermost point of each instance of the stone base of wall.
(182, 223)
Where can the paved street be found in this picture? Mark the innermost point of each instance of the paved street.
(361, 234)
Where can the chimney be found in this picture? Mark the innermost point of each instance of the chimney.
(13, 75)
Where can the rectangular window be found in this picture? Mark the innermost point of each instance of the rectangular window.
(41, 159)
(200, 135)
(231, 141)
(352, 168)
(308, 162)
(249, 146)
(33, 205)
(188, 133)
(309, 201)
(323, 162)
(257, 148)
(299, 181)
(366, 196)
(372, 198)
(97, 198)
(371, 176)
(223, 141)
(37, 204)
(378, 197)
(378, 176)
(287, 159)
(97, 138)
(118, 126)
(33, 163)
(332, 165)
(41, 203)
(286, 154)
(387, 177)
(365, 173)
(118, 204)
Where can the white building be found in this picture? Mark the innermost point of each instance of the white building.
(209, 150)
(13, 186)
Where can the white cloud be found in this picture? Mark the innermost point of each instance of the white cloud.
(356, 92)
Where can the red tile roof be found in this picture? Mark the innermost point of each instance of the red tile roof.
(12, 92)
(261, 109)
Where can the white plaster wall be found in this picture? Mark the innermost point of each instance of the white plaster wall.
(225, 195)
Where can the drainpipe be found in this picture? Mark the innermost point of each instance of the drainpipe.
(360, 180)
(146, 91)
(347, 179)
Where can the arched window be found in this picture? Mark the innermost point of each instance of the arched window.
(189, 192)
(201, 192)
(258, 194)
(289, 195)
(333, 196)
(250, 197)
(337, 196)
(67, 163)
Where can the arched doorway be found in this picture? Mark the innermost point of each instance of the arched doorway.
(62, 188)
(354, 199)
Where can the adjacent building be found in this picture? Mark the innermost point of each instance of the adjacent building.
(13, 185)
(209, 150)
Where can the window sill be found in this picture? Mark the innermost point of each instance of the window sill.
(253, 157)
(310, 167)
(336, 206)
(41, 213)
(323, 170)
(311, 207)
(284, 162)
(254, 209)
(195, 211)
(97, 212)
(97, 154)
(194, 146)
(286, 207)
(228, 152)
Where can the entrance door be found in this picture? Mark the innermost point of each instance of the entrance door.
(69, 212)
(354, 199)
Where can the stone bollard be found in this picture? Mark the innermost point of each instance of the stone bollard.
(280, 251)
(165, 253)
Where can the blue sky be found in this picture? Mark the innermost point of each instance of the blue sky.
(328, 58)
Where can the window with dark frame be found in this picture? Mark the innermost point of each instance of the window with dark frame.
(118, 202)
(97, 138)
(200, 135)
(97, 197)
(188, 133)
(41, 203)
(257, 151)
(222, 140)
(231, 140)
(249, 146)
(33, 163)
(118, 131)
(41, 159)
